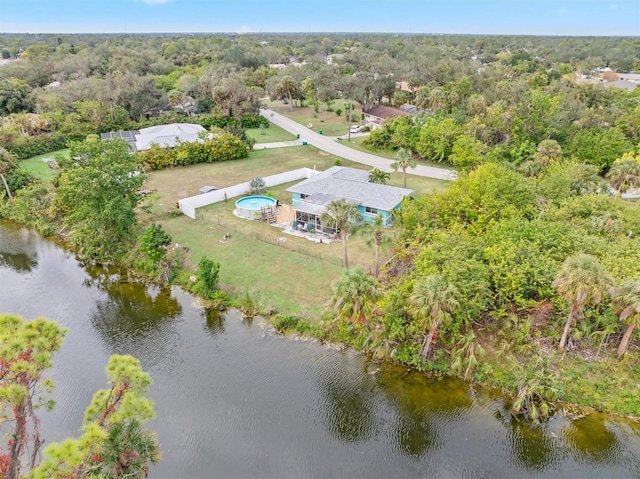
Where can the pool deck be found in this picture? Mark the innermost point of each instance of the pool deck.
(286, 215)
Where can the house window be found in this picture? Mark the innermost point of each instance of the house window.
(371, 211)
(303, 196)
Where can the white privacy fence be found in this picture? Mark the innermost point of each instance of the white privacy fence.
(189, 205)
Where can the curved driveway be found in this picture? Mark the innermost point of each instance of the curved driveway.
(330, 145)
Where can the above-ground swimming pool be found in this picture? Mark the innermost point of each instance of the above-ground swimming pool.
(251, 206)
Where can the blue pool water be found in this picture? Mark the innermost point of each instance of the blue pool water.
(254, 203)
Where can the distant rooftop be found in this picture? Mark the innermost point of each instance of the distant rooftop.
(161, 135)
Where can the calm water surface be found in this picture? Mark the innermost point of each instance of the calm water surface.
(233, 399)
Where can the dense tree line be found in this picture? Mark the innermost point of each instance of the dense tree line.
(525, 267)
(487, 97)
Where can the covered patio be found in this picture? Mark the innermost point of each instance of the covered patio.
(309, 212)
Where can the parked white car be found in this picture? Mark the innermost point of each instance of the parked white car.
(355, 129)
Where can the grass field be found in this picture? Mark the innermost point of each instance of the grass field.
(327, 121)
(254, 259)
(269, 135)
(38, 168)
(290, 274)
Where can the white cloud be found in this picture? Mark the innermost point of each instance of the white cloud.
(246, 29)
(614, 6)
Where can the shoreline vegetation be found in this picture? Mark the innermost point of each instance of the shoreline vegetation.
(325, 328)
(523, 274)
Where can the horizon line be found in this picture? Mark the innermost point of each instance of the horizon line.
(325, 33)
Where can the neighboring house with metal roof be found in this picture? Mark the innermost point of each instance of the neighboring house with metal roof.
(377, 115)
(311, 197)
(161, 135)
(128, 136)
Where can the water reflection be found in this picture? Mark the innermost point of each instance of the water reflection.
(18, 248)
(214, 322)
(591, 438)
(347, 404)
(531, 446)
(423, 408)
(134, 319)
(19, 262)
(234, 401)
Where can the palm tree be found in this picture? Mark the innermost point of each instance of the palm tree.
(437, 98)
(341, 215)
(379, 176)
(178, 98)
(288, 87)
(465, 355)
(374, 234)
(583, 281)
(354, 296)
(548, 151)
(414, 84)
(626, 302)
(348, 110)
(625, 174)
(530, 168)
(126, 452)
(431, 303)
(538, 389)
(404, 160)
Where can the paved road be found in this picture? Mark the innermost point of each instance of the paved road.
(330, 145)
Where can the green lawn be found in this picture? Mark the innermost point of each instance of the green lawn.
(299, 284)
(172, 184)
(332, 125)
(38, 168)
(269, 135)
(327, 121)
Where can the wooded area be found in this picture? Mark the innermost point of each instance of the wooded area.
(523, 274)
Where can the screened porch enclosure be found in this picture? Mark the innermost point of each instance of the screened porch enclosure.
(309, 221)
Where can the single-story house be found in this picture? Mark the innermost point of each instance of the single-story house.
(377, 115)
(311, 197)
(161, 135)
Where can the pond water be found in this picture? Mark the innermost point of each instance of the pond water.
(233, 399)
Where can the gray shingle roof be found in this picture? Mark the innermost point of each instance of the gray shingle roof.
(352, 185)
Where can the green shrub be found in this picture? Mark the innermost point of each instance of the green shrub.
(27, 146)
(153, 243)
(253, 120)
(284, 322)
(208, 276)
(223, 147)
(29, 207)
(258, 186)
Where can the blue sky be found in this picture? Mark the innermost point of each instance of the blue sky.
(534, 17)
